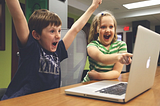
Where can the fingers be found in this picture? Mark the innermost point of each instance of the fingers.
(128, 54)
(126, 58)
(100, 2)
(126, 62)
(97, 2)
(92, 74)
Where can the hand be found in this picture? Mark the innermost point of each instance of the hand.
(96, 3)
(93, 75)
(125, 58)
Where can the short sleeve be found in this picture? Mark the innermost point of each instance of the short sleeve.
(122, 47)
(93, 43)
(61, 51)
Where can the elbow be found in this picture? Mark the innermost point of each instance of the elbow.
(75, 29)
(117, 75)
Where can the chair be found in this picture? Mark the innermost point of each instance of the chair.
(84, 74)
(2, 92)
(72, 67)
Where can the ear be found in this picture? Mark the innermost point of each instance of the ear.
(35, 35)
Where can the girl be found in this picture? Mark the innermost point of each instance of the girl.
(106, 54)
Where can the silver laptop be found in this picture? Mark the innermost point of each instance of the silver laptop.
(141, 75)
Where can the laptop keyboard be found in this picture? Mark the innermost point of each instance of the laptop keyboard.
(118, 89)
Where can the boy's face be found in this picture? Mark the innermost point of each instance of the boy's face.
(106, 30)
(50, 37)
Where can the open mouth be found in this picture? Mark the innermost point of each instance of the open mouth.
(107, 36)
(54, 43)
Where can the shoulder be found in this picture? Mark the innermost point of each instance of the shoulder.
(31, 47)
(119, 43)
(93, 43)
(61, 46)
(61, 50)
(120, 46)
(30, 41)
(61, 43)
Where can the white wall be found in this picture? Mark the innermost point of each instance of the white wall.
(61, 8)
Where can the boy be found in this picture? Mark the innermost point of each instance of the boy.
(41, 49)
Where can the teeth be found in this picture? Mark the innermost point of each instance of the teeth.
(106, 37)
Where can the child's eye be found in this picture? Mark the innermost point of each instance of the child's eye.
(103, 27)
(52, 31)
(111, 27)
(59, 31)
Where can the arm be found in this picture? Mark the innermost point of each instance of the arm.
(79, 24)
(118, 59)
(124, 58)
(19, 20)
(94, 75)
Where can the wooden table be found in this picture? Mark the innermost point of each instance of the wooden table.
(57, 97)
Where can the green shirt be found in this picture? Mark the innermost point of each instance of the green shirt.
(116, 47)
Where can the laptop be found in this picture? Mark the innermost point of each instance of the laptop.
(141, 75)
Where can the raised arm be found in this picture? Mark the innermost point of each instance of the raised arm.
(79, 24)
(19, 20)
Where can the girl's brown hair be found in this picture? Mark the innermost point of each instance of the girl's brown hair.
(96, 24)
(40, 19)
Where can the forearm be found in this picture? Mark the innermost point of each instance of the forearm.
(79, 24)
(104, 75)
(14, 8)
(19, 20)
(108, 75)
(107, 58)
(97, 55)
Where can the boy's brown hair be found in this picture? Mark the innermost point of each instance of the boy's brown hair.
(40, 19)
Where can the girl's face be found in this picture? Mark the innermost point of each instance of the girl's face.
(106, 30)
(50, 37)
